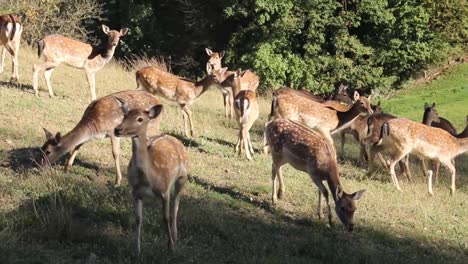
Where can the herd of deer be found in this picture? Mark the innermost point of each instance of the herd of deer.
(299, 131)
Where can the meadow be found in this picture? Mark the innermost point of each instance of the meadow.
(225, 214)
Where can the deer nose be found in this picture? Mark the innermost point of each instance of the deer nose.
(117, 131)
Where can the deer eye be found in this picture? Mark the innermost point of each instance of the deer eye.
(47, 152)
(140, 119)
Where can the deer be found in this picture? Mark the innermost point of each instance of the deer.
(401, 137)
(322, 118)
(157, 166)
(309, 151)
(249, 81)
(10, 36)
(174, 88)
(246, 110)
(358, 129)
(464, 133)
(57, 49)
(98, 121)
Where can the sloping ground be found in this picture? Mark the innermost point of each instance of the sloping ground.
(225, 217)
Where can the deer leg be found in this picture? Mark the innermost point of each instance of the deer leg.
(72, 157)
(91, 76)
(138, 204)
(436, 169)
(404, 166)
(393, 161)
(16, 65)
(281, 189)
(231, 102)
(450, 165)
(319, 205)
(115, 141)
(2, 61)
(179, 185)
(166, 198)
(274, 174)
(226, 105)
(245, 140)
(187, 111)
(250, 143)
(14, 60)
(324, 191)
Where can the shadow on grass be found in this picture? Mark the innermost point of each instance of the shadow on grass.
(19, 86)
(220, 141)
(19, 160)
(80, 220)
(188, 142)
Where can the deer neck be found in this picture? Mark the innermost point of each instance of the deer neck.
(202, 86)
(333, 181)
(77, 136)
(345, 118)
(102, 54)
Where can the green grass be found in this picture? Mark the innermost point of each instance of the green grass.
(226, 214)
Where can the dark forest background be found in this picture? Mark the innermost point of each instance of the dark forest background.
(315, 44)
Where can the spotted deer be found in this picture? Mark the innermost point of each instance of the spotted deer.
(10, 36)
(310, 152)
(358, 129)
(401, 137)
(247, 111)
(157, 166)
(174, 88)
(324, 119)
(99, 121)
(249, 81)
(57, 49)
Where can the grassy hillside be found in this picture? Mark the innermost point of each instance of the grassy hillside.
(225, 212)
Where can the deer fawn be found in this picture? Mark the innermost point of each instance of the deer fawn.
(175, 88)
(99, 121)
(158, 165)
(317, 116)
(57, 49)
(10, 36)
(402, 136)
(248, 79)
(310, 152)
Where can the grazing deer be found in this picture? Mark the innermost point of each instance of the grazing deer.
(174, 88)
(358, 129)
(10, 36)
(401, 137)
(57, 49)
(310, 152)
(248, 79)
(158, 165)
(325, 119)
(247, 111)
(99, 121)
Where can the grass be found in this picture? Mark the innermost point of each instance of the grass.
(226, 214)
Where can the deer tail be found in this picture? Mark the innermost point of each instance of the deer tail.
(40, 47)
(274, 104)
(242, 104)
(384, 132)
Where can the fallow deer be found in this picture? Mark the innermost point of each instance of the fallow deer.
(401, 137)
(57, 49)
(358, 129)
(317, 116)
(247, 111)
(10, 36)
(248, 79)
(310, 152)
(99, 121)
(158, 165)
(174, 88)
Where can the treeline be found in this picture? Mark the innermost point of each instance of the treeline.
(316, 44)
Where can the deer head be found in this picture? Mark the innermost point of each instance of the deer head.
(135, 122)
(345, 206)
(52, 150)
(215, 58)
(343, 95)
(218, 75)
(430, 114)
(363, 104)
(114, 35)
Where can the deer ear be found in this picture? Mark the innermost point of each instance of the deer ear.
(358, 195)
(356, 96)
(433, 105)
(123, 31)
(58, 137)
(122, 104)
(105, 29)
(221, 54)
(339, 192)
(209, 69)
(208, 51)
(223, 70)
(426, 105)
(48, 134)
(155, 111)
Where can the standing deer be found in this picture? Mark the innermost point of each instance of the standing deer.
(247, 111)
(174, 88)
(248, 79)
(57, 49)
(158, 165)
(10, 36)
(99, 121)
(310, 152)
(401, 137)
(322, 118)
